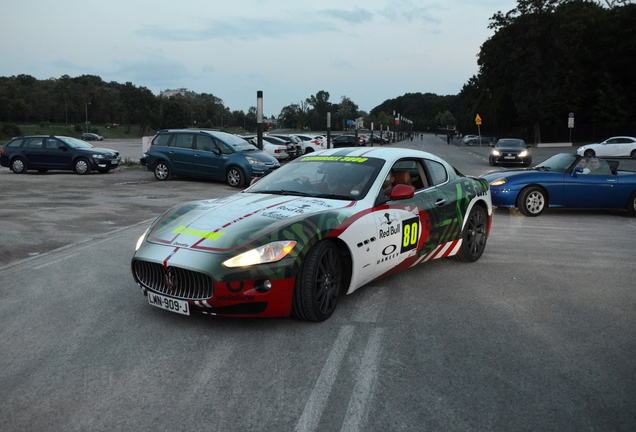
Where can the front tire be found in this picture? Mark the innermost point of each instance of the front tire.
(532, 201)
(631, 204)
(235, 177)
(162, 171)
(18, 166)
(318, 283)
(491, 161)
(82, 166)
(474, 236)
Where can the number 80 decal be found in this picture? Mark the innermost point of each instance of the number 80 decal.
(410, 234)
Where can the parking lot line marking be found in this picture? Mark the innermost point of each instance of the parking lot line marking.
(371, 305)
(358, 409)
(318, 399)
(55, 262)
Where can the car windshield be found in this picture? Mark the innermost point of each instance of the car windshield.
(511, 143)
(557, 163)
(237, 143)
(336, 177)
(75, 143)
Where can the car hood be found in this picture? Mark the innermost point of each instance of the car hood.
(246, 219)
(261, 156)
(100, 150)
(510, 149)
(509, 173)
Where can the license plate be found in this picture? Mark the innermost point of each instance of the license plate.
(115, 162)
(170, 304)
(509, 157)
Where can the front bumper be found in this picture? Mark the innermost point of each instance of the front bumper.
(505, 158)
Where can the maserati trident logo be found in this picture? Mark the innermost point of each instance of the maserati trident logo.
(169, 278)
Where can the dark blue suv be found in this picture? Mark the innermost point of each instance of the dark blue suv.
(208, 154)
(49, 152)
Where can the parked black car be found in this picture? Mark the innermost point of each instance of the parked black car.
(92, 137)
(347, 141)
(43, 153)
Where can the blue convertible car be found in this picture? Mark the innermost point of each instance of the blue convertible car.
(564, 180)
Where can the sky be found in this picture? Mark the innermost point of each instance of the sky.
(369, 51)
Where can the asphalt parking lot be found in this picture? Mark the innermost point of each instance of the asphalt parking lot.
(536, 335)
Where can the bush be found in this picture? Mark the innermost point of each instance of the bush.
(78, 128)
(11, 130)
(45, 124)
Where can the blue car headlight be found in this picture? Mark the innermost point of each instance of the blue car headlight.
(99, 156)
(499, 181)
(253, 161)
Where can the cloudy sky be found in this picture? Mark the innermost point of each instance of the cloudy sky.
(369, 51)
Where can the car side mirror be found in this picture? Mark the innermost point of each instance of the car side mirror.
(401, 192)
(576, 171)
(216, 151)
(62, 147)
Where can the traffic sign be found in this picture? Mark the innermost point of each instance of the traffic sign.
(571, 115)
(478, 120)
(571, 122)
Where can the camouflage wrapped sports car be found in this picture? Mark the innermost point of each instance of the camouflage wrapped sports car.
(317, 228)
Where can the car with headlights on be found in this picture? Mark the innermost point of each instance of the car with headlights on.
(206, 154)
(565, 181)
(55, 152)
(621, 146)
(510, 151)
(320, 227)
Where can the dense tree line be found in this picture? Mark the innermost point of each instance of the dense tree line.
(546, 59)
(66, 100)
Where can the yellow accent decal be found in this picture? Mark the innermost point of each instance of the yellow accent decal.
(210, 235)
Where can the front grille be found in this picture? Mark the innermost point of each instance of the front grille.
(175, 281)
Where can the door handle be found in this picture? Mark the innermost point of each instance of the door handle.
(440, 202)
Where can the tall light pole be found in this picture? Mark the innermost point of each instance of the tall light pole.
(329, 130)
(259, 119)
(87, 104)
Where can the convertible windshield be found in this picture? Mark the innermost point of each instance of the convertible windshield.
(75, 143)
(334, 177)
(558, 163)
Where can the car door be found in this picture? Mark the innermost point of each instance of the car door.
(591, 190)
(35, 153)
(58, 154)
(181, 153)
(206, 162)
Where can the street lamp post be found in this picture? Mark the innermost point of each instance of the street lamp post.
(87, 104)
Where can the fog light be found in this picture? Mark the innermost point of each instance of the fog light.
(263, 286)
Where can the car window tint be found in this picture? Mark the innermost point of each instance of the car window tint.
(35, 143)
(224, 148)
(52, 143)
(205, 143)
(436, 172)
(15, 143)
(161, 140)
(183, 141)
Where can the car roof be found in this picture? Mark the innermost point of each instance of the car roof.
(390, 154)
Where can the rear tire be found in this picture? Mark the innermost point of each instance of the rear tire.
(589, 153)
(18, 166)
(633, 154)
(631, 204)
(318, 283)
(532, 201)
(162, 171)
(474, 236)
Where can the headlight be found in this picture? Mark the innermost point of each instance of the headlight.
(141, 240)
(253, 161)
(523, 153)
(499, 182)
(98, 156)
(268, 253)
(580, 149)
(496, 153)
